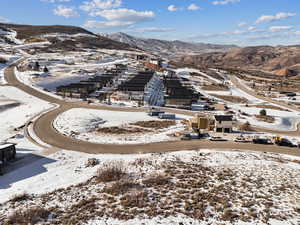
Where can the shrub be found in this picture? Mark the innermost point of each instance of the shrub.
(263, 112)
(3, 60)
(120, 187)
(246, 127)
(31, 215)
(156, 180)
(112, 171)
(135, 199)
(20, 197)
(92, 162)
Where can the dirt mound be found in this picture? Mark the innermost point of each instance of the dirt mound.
(155, 124)
(233, 99)
(121, 130)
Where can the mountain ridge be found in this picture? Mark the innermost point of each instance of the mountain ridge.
(279, 60)
(168, 48)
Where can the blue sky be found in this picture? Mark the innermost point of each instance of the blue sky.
(241, 22)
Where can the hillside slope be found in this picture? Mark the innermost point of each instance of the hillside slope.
(168, 48)
(61, 37)
(280, 60)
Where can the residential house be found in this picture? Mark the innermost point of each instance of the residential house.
(223, 123)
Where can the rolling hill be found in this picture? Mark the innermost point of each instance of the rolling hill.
(169, 49)
(279, 60)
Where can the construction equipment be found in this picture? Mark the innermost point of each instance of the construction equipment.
(201, 122)
(283, 142)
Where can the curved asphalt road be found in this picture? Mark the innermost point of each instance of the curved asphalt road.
(44, 130)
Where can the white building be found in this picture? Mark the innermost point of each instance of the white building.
(223, 123)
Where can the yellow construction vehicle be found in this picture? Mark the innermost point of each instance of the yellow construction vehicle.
(283, 142)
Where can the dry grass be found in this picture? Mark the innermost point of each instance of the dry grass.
(21, 197)
(155, 124)
(121, 187)
(196, 191)
(267, 107)
(246, 127)
(268, 119)
(121, 130)
(32, 215)
(135, 199)
(233, 99)
(215, 87)
(156, 180)
(34, 40)
(112, 171)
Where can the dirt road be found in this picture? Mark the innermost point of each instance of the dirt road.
(45, 131)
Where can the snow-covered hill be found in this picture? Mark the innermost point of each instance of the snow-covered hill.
(168, 48)
(8, 36)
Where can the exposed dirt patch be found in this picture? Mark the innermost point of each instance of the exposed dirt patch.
(155, 124)
(268, 119)
(215, 87)
(121, 130)
(267, 107)
(233, 99)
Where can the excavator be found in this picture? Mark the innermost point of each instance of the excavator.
(283, 142)
(196, 125)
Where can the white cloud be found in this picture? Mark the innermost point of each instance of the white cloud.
(4, 20)
(280, 28)
(119, 18)
(100, 4)
(297, 32)
(172, 8)
(125, 15)
(270, 18)
(225, 2)
(242, 24)
(65, 11)
(193, 7)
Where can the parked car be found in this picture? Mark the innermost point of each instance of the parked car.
(262, 141)
(167, 116)
(217, 139)
(186, 137)
(241, 139)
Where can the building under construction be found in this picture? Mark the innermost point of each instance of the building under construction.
(179, 93)
(83, 89)
(134, 87)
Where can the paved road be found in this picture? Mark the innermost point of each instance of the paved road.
(45, 131)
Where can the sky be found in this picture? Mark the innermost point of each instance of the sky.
(239, 22)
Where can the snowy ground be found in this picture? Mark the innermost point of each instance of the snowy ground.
(185, 72)
(284, 121)
(82, 123)
(64, 70)
(15, 117)
(198, 187)
(10, 59)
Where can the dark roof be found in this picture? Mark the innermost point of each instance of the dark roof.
(4, 146)
(223, 117)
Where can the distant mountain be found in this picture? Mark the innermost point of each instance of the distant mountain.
(65, 38)
(168, 49)
(279, 60)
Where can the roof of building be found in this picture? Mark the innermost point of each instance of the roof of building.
(6, 145)
(224, 117)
